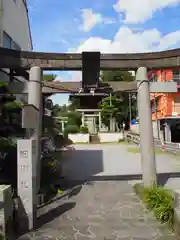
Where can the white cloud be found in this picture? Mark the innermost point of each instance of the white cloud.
(58, 79)
(138, 11)
(127, 40)
(90, 19)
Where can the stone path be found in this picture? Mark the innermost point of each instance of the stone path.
(112, 160)
(102, 211)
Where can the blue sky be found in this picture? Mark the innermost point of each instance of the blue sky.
(117, 26)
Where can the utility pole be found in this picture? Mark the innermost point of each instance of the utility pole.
(130, 111)
(156, 117)
(111, 113)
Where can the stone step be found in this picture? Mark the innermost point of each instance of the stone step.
(94, 138)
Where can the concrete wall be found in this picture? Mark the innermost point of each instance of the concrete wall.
(14, 21)
(79, 138)
(111, 137)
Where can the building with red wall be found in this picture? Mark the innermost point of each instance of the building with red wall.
(167, 104)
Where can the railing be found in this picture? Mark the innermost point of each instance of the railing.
(176, 78)
(168, 146)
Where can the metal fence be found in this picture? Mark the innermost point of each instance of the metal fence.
(168, 146)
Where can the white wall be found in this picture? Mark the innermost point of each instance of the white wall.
(15, 22)
(111, 137)
(79, 137)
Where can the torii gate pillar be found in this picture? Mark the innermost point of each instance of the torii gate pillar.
(29, 154)
(144, 88)
(145, 128)
(35, 98)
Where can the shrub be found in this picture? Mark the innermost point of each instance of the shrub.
(84, 129)
(8, 161)
(71, 129)
(6, 144)
(74, 118)
(160, 201)
(48, 171)
(3, 87)
(14, 105)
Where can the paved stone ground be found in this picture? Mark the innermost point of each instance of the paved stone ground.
(112, 160)
(106, 210)
(102, 211)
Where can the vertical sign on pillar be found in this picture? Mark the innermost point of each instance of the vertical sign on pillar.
(27, 183)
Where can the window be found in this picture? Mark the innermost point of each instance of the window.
(15, 46)
(6, 40)
(165, 76)
(9, 43)
(154, 78)
(176, 75)
(176, 72)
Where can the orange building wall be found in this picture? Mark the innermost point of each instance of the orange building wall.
(164, 75)
(165, 101)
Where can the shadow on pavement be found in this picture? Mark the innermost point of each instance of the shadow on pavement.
(162, 178)
(54, 213)
(73, 190)
(82, 164)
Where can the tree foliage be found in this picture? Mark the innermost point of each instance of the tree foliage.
(74, 118)
(10, 113)
(118, 105)
(109, 108)
(74, 103)
(107, 76)
(49, 77)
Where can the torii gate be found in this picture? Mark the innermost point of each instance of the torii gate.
(19, 61)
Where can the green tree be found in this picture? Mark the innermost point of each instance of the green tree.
(119, 107)
(107, 76)
(74, 118)
(49, 77)
(109, 109)
(53, 127)
(74, 103)
(10, 113)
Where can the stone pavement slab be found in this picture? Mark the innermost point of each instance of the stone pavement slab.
(111, 160)
(103, 211)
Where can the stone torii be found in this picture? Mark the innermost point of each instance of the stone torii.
(143, 88)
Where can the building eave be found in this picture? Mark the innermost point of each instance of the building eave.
(29, 27)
